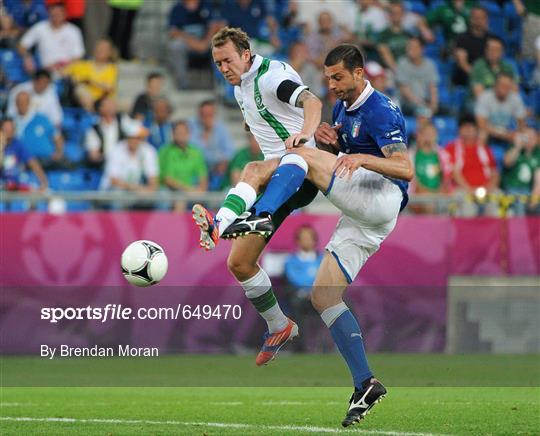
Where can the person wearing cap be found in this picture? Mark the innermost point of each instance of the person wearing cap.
(133, 164)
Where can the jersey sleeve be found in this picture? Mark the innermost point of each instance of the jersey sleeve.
(387, 126)
(281, 77)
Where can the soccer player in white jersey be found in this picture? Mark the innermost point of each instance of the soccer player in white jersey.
(281, 113)
(368, 183)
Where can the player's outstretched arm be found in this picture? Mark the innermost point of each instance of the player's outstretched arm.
(396, 163)
(312, 117)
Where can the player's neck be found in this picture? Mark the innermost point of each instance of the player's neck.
(357, 92)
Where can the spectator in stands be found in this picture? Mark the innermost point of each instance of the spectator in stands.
(106, 132)
(290, 30)
(26, 13)
(143, 107)
(378, 77)
(300, 271)
(210, 133)
(392, 42)
(521, 163)
(74, 11)
(58, 42)
(254, 18)
(485, 69)
(344, 14)
(327, 35)
(95, 78)
(35, 130)
(121, 24)
(473, 166)
(308, 71)
(452, 16)
(190, 31)
(14, 157)
(44, 97)
(470, 45)
(429, 164)
(132, 165)
(418, 79)
(161, 129)
(242, 157)
(371, 19)
(432, 170)
(499, 111)
(181, 164)
(9, 33)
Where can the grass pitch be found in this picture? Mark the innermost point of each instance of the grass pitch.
(435, 408)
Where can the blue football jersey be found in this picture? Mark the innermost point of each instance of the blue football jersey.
(371, 123)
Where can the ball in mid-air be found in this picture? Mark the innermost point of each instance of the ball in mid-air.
(144, 263)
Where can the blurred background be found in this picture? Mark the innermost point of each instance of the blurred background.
(115, 122)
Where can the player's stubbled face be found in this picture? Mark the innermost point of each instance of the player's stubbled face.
(342, 82)
(230, 63)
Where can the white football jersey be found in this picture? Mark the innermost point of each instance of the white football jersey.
(270, 120)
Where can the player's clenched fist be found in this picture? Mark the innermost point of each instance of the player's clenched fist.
(327, 134)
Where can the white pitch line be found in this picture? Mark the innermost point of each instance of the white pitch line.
(307, 429)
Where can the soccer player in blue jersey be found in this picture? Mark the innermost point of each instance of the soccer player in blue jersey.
(368, 182)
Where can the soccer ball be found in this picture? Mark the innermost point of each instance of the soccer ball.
(144, 263)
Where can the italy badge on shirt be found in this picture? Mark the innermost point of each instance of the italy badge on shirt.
(355, 129)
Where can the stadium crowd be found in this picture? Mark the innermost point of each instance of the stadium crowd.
(466, 75)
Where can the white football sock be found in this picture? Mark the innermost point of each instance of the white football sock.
(258, 285)
(225, 215)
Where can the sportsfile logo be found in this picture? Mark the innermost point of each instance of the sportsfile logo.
(120, 312)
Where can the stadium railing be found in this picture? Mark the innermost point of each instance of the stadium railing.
(432, 203)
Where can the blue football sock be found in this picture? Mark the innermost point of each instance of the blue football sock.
(284, 183)
(348, 338)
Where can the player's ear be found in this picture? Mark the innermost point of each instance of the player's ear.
(358, 73)
(246, 55)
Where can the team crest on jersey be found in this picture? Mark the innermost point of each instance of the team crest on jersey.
(355, 129)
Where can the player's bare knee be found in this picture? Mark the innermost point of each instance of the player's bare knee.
(318, 301)
(251, 175)
(239, 268)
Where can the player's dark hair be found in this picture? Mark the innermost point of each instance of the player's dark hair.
(153, 75)
(42, 73)
(237, 36)
(466, 119)
(349, 54)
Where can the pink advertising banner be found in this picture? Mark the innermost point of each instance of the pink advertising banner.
(74, 260)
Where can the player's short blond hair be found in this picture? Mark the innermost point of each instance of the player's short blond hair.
(237, 36)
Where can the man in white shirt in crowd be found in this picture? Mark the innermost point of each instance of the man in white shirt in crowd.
(132, 165)
(58, 42)
(106, 132)
(44, 97)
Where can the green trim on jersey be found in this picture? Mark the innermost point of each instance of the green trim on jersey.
(279, 128)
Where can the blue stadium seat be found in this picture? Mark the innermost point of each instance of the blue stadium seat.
(526, 70)
(76, 180)
(74, 151)
(12, 64)
(410, 124)
(75, 123)
(416, 6)
(446, 127)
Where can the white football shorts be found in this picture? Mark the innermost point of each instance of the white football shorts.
(370, 205)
